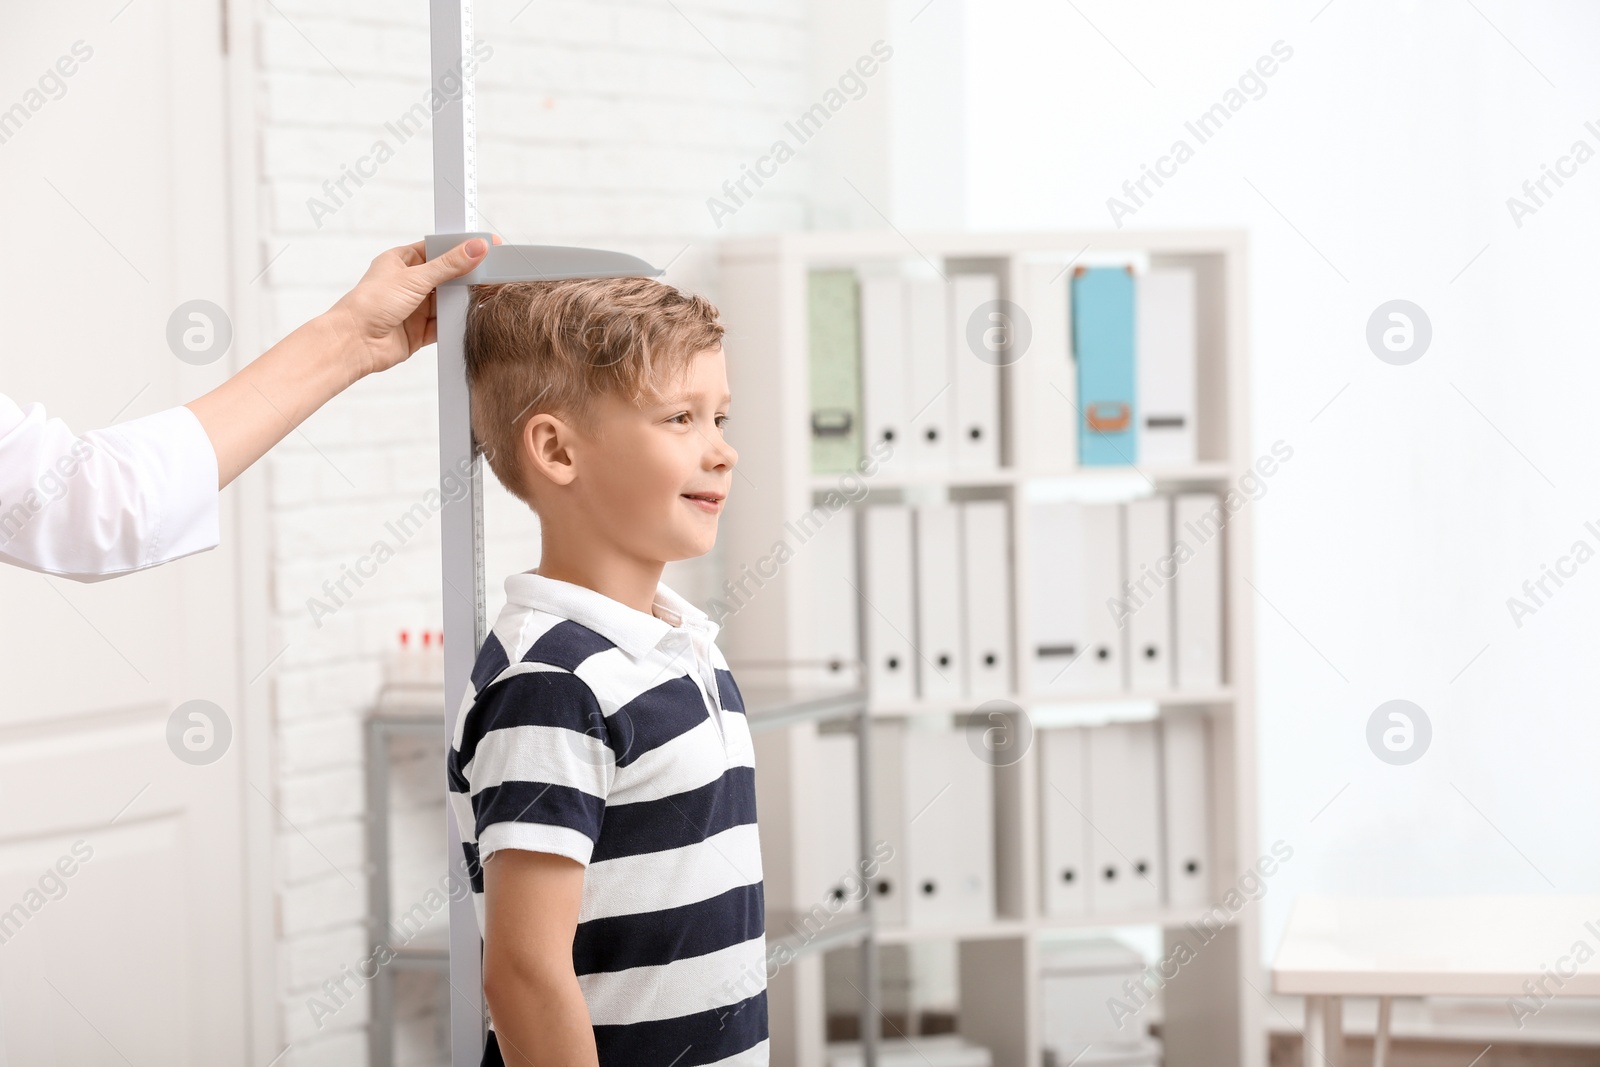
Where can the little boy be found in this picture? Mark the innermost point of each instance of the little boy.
(602, 773)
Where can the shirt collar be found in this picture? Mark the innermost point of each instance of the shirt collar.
(631, 630)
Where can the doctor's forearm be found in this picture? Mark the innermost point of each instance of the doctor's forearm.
(258, 407)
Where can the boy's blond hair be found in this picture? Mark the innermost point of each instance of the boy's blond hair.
(555, 347)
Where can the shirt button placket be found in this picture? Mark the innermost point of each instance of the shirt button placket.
(708, 677)
(685, 642)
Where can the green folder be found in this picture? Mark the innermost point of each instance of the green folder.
(834, 317)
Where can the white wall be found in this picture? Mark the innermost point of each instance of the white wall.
(896, 153)
(605, 122)
(1376, 166)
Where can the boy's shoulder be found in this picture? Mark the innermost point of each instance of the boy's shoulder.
(524, 636)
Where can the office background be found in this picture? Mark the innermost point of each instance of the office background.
(1374, 164)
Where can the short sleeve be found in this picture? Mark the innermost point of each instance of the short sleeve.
(112, 501)
(179, 457)
(542, 765)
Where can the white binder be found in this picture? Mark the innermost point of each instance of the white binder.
(1063, 827)
(976, 373)
(941, 661)
(1185, 779)
(1165, 362)
(1076, 552)
(949, 807)
(986, 577)
(930, 400)
(883, 367)
(832, 874)
(1197, 591)
(832, 641)
(1124, 808)
(1146, 596)
(889, 820)
(933, 804)
(890, 621)
(1045, 376)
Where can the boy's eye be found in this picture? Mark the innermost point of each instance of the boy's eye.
(721, 419)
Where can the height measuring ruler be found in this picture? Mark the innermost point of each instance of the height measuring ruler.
(455, 215)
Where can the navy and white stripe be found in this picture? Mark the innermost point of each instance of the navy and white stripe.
(595, 731)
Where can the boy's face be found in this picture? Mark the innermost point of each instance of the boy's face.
(635, 477)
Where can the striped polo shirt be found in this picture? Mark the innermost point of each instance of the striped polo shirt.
(595, 731)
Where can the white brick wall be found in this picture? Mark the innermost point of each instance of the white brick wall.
(601, 121)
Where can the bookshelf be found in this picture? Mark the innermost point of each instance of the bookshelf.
(1209, 1013)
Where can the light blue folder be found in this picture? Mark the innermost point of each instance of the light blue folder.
(1103, 344)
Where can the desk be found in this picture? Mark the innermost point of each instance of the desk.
(1336, 947)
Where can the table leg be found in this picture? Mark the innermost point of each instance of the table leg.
(1335, 1026)
(1315, 1033)
(1380, 1037)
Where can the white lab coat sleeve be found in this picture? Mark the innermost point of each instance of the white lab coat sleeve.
(109, 502)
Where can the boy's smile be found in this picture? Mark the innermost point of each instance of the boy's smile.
(709, 502)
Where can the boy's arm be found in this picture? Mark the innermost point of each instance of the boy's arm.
(531, 915)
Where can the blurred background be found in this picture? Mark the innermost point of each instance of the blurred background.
(257, 154)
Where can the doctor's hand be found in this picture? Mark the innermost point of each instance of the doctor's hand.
(386, 317)
(390, 312)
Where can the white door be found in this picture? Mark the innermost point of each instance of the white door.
(121, 884)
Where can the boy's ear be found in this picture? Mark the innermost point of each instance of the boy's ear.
(547, 447)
